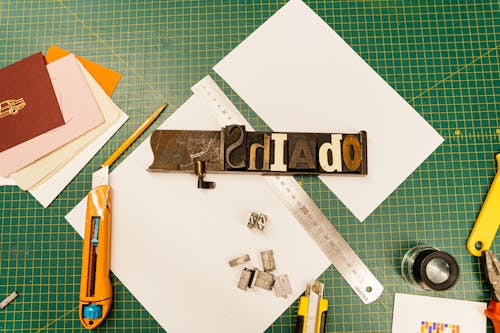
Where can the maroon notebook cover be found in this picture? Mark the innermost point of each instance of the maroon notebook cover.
(28, 104)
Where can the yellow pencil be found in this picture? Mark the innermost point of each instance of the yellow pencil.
(134, 136)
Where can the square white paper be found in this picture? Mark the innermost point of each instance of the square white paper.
(299, 75)
(424, 314)
(171, 241)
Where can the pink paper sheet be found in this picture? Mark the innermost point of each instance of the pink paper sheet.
(79, 108)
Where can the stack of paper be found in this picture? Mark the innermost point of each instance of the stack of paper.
(49, 156)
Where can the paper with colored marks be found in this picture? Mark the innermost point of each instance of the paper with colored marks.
(80, 110)
(299, 75)
(28, 104)
(424, 314)
(41, 169)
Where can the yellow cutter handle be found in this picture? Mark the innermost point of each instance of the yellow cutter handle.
(488, 220)
(300, 326)
(95, 285)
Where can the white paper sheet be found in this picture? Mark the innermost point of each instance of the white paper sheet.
(7, 181)
(299, 75)
(171, 241)
(412, 312)
(50, 188)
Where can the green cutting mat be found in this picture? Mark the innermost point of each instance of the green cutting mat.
(442, 57)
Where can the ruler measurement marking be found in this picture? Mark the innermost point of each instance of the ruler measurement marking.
(302, 207)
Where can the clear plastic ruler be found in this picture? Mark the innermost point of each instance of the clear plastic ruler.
(312, 219)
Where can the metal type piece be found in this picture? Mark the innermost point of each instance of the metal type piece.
(239, 260)
(264, 280)
(268, 261)
(246, 278)
(428, 268)
(282, 286)
(257, 220)
(254, 277)
(252, 220)
(262, 221)
(8, 299)
(199, 170)
(235, 147)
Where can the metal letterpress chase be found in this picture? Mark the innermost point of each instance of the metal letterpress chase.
(233, 149)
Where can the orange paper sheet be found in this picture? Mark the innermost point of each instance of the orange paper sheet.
(108, 79)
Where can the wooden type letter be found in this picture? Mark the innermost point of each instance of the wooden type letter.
(302, 152)
(354, 152)
(330, 154)
(235, 148)
(279, 162)
(259, 151)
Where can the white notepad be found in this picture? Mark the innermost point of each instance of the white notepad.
(299, 75)
(171, 241)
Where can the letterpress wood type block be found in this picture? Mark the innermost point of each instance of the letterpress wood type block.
(177, 150)
(354, 155)
(302, 152)
(279, 149)
(235, 147)
(329, 153)
(258, 151)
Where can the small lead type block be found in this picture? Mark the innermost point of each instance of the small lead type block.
(282, 286)
(257, 220)
(247, 278)
(268, 261)
(264, 280)
(239, 260)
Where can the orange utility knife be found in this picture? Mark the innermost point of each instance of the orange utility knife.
(95, 286)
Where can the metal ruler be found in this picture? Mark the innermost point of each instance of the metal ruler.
(312, 219)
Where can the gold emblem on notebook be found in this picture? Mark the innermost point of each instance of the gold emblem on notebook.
(11, 107)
